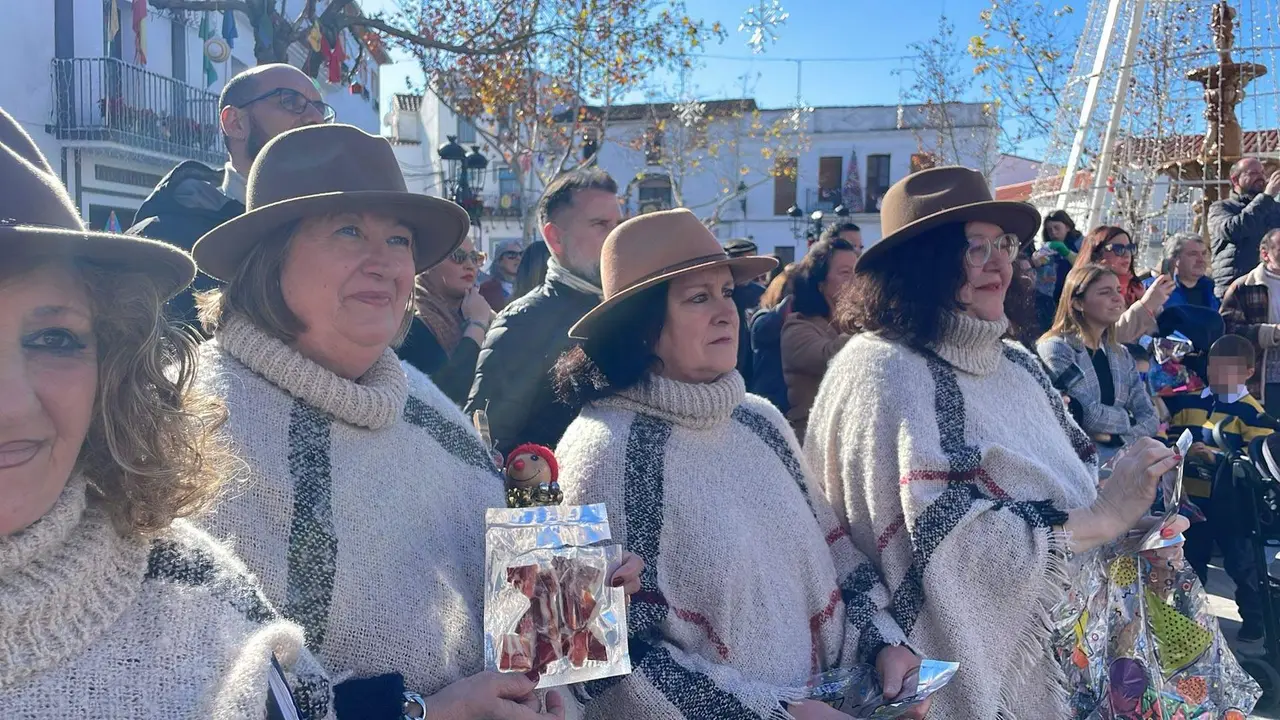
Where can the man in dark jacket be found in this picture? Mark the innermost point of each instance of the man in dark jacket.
(513, 378)
(1237, 223)
(747, 298)
(254, 107)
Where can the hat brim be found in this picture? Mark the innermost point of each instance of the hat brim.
(744, 270)
(168, 267)
(1019, 218)
(439, 226)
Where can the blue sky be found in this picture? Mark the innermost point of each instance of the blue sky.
(837, 30)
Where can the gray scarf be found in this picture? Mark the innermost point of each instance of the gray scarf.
(559, 273)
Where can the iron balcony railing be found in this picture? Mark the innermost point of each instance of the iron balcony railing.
(503, 205)
(824, 199)
(105, 99)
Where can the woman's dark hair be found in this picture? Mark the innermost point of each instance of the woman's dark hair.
(1057, 216)
(532, 270)
(811, 272)
(907, 293)
(618, 355)
(1092, 249)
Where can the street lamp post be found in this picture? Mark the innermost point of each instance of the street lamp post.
(464, 176)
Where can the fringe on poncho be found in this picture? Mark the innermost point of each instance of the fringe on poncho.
(951, 469)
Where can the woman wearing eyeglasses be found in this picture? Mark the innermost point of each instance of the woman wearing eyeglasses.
(450, 320)
(1112, 247)
(1080, 350)
(950, 457)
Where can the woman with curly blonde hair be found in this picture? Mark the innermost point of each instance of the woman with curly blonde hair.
(109, 601)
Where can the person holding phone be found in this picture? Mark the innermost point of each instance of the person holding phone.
(1186, 260)
(1114, 248)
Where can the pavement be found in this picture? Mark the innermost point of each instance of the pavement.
(1222, 600)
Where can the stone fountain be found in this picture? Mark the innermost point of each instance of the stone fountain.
(1224, 85)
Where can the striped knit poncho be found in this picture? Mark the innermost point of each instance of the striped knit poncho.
(750, 584)
(363, 513)
(952, 470)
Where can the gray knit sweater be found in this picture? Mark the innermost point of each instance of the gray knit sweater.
(952, 469)
(750, 586)
(96, 625)
(363, 513)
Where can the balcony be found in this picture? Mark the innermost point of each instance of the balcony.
(824, 199)
(109, 100)
(504, 205)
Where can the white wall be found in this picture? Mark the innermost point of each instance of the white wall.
(1011, 170)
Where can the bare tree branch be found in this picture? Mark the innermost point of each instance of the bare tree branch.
(433, 44)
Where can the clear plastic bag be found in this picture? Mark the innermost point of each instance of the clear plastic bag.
(548, 605)
(856, 691)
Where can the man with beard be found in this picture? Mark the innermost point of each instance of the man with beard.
(513, 377)
(254, 107)
(1237, 223)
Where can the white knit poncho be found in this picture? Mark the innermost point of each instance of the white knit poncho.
(951, 470)
(96, 625)
(750, 586)
(364, 510)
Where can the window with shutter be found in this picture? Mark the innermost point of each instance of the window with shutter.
(784, 185)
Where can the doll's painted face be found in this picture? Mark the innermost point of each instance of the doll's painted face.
(529, 470)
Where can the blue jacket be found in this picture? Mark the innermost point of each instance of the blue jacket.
(1179, 296)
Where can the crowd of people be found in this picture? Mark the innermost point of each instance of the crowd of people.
(262, 494)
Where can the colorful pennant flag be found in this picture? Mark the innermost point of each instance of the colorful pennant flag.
(140, 31)
(336, 56)
(229, 32)
(206, 34)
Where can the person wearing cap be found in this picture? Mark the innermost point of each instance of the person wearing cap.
(254, 106)
(949, 456)
(110, 604)
(364, 511)
(747, 298)
(750, 586)
(500, 287)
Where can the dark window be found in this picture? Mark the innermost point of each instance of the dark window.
(878, 180)
(178, 51)
(109, 173)
(786, 254)
(829, 185)
(653, 146)
(655, 194)
(784, 185)
(506, 181)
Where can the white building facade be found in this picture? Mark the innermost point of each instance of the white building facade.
(111, 126)
(841, 155)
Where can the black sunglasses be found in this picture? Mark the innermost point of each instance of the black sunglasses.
(509, 255)
(296, 103)
(1120, 249)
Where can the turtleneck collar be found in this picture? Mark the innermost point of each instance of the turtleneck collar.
(971, 345)
(700, 406)
(63, 582)
(375, 401)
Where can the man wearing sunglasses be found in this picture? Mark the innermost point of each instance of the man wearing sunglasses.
(254, 107)
(1237, 223)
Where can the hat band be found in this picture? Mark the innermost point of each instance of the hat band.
(674, 268)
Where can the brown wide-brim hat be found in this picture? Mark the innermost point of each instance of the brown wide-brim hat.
(323, 170)
(38, 217)
(931, 198)
(654, 248)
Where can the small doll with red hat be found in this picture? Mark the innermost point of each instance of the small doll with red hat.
(532, 477)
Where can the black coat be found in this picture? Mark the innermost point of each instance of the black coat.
(747, 299)
(766, 346)
(452, 374)
(513, 377)
(187, 203)
(1236, 228)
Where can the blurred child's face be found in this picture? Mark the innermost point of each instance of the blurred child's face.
(1227, 374)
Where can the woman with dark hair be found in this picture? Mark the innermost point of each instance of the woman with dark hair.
(808, 339)
(766, 340)
(950, 456)
(532, 270)
(1116, 407)
(1112, 247)
(750, 586)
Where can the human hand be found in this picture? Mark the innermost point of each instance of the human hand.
(1128, 494)
(493, 696)
(1158, 294)
(627, 576)
(476, 309)
(899, 670)
(1273, 184)
(1061, 248)
(1202, 452)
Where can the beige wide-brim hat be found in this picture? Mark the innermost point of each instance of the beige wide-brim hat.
(322, 170)
(38, 216)
(931, 198)
(654, 248)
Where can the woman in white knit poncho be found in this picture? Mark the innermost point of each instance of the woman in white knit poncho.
(951, 458)
(750, 585)
(364, 512)
(109, 607)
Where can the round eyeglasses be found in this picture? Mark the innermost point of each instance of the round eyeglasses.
(981, 249)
